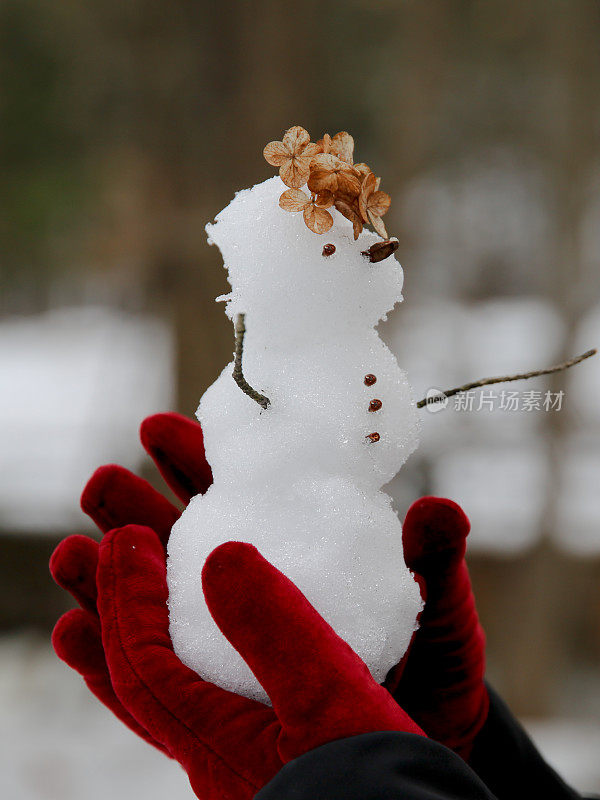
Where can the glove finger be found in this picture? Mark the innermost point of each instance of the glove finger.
(307, 670)
(433, 538)
(434, 535)
(197, 721)
(114, 497)
(77, 641)
(442, 684)
(73, 566)
(176, 445)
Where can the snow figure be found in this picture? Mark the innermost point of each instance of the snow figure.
(302, 479)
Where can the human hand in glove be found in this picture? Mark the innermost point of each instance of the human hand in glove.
(434, 536)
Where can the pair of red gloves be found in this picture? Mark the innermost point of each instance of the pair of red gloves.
(321, 691)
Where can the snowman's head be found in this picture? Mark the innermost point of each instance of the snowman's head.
(285, 284)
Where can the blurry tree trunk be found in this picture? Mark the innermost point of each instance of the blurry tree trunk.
(544, 597)
(254, 92)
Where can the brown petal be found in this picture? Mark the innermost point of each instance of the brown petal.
(368, 184)
(378, 225)
(312, 149)
(365, 192)
(294, 172)
(295, 139)
(349, 199)
(348, 183)
(324, 200)
(362, 170)
(317, 219)
(276, 153)
(293, 200)
(324, 144)
(352, 214)
(379, 202)
(321, 180)
(326, 161)
(304, 161)
(342, 145)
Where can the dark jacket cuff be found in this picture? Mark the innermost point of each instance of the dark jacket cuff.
(377, 766)
(509, 763)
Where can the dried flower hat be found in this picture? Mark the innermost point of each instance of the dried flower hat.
(327, 168)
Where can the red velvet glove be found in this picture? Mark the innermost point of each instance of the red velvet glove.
(115, 497)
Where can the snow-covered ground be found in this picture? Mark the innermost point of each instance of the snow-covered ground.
(75, 384)
(58, 743)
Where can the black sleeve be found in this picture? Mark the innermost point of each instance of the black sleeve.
(509, 763)
(377, 766)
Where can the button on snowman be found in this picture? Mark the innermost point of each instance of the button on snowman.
(302, 479)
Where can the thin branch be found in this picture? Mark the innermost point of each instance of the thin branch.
(522, 376)
(238, 375)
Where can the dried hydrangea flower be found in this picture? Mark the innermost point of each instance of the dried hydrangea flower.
(293, 156)
(328, 173)
(373, 203)
(313, 208)
(333, 179)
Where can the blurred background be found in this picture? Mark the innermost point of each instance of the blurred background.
(125, 128)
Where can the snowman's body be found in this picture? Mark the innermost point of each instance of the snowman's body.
(301, 480)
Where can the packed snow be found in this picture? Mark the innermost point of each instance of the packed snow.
(301, 480)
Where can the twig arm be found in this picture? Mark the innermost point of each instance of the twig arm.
(238, 374)
(507, 378)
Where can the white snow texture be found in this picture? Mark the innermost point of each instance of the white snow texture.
(300, 480)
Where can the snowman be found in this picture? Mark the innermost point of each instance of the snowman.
(301, 477)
